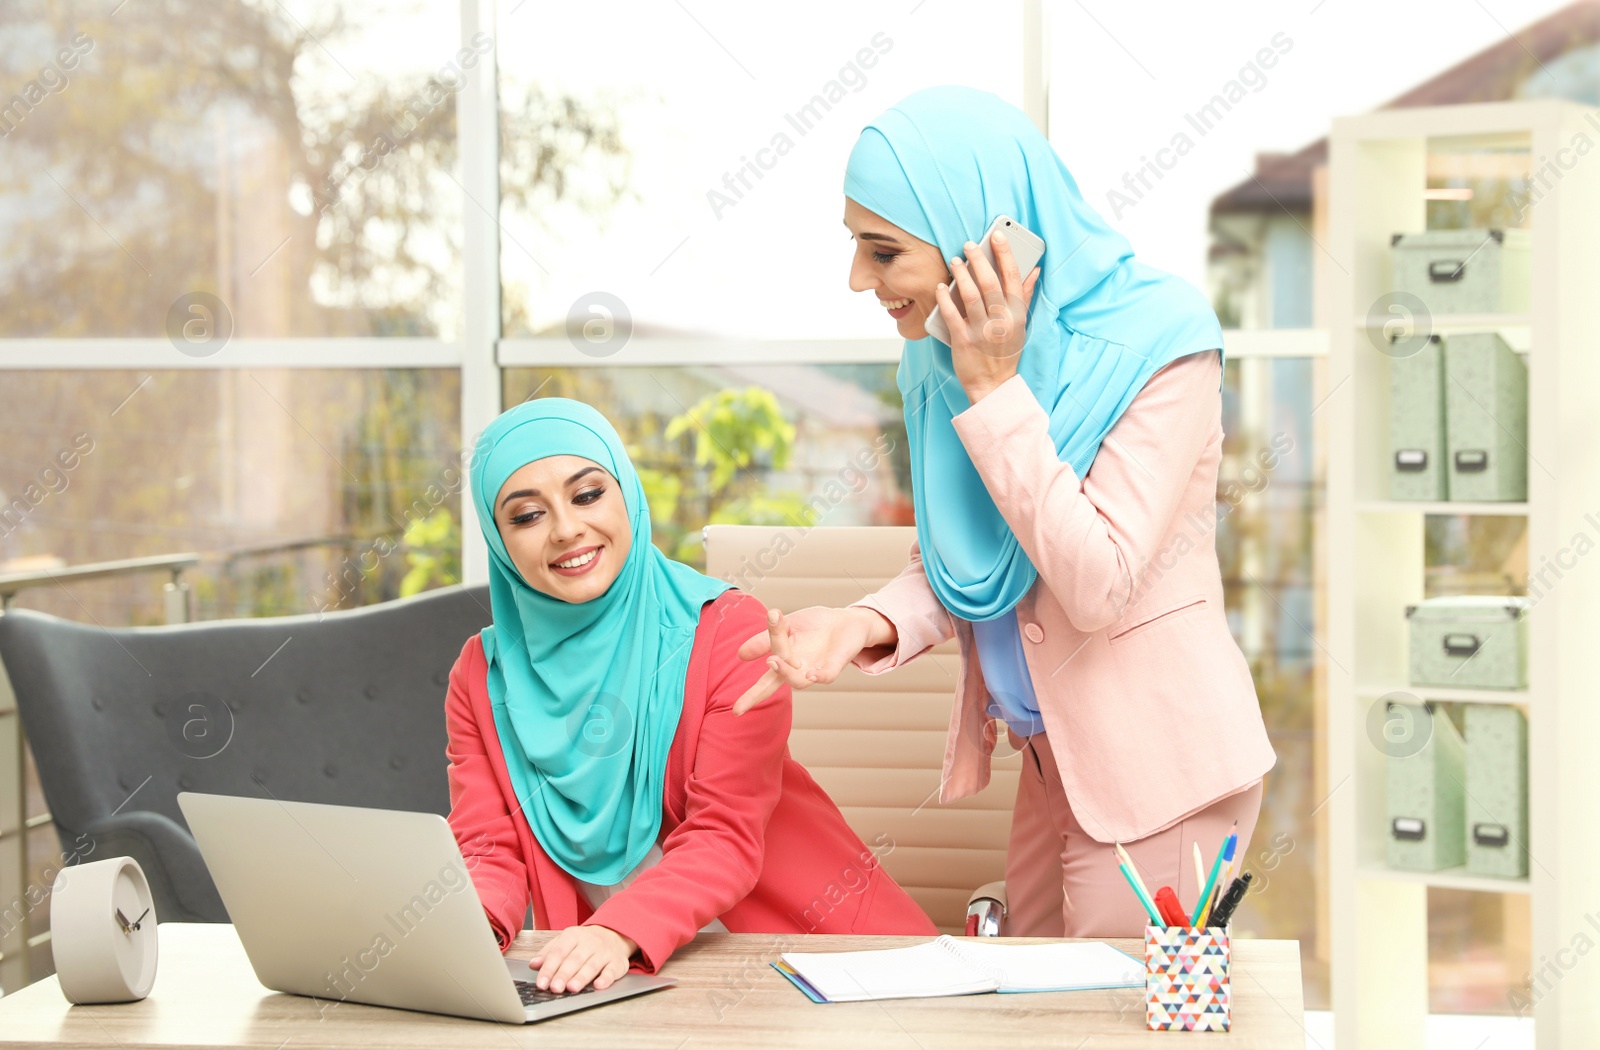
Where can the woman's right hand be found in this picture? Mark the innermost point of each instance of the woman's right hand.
(810, 647)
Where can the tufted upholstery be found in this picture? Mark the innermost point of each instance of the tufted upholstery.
(346, 708)
(876, 742)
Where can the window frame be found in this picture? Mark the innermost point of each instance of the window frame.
(480, 353)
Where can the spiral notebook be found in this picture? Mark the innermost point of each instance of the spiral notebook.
(947, 966)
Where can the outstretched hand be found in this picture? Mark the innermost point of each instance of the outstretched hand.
(810, 647)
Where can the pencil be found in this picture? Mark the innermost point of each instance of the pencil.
(1139, 891)
(1122, 854)
(1230, 848)
(1205, 893)
(1211, 903)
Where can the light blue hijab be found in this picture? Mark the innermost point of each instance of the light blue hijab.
(941, 165)
(586, 697)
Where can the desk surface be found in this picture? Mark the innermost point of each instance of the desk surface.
(207, 995)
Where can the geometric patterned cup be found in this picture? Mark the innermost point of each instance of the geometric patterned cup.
(1186, 978)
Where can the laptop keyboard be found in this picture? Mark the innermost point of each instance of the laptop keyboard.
(533, 995)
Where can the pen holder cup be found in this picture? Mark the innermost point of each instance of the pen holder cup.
(1186, 978)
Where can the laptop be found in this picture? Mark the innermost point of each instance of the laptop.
(371, 906)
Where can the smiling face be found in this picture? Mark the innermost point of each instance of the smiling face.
(565, 525)
(901, 270)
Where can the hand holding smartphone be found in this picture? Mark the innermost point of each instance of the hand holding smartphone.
(1026, 247)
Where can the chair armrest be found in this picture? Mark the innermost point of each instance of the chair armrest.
(179, 881)
(986, 910)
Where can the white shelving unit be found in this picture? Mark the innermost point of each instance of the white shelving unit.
(1375, 568)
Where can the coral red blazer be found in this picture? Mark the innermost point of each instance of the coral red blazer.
(750, 838)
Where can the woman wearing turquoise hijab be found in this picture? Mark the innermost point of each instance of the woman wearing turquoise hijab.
(1064, 454)
(596, 769)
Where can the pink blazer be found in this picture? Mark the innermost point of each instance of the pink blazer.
(750, 837)
(1147, 700)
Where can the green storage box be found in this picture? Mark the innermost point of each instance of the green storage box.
(1417, 424)
(1426, 797)
(1486, 418)
(1497, 791)
(1470, 641)
(1464, 271)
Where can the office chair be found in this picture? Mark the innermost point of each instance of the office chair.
(344, 708)
(876, 742)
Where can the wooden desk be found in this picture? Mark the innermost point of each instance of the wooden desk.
(207, 995)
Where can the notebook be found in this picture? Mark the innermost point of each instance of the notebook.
(947, 966)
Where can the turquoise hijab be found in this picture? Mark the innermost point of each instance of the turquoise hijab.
(941, 165)
(586, 697)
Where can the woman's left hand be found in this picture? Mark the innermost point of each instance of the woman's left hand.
(987, 333)
(580, 954)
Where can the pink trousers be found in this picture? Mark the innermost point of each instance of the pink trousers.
(1063, 882)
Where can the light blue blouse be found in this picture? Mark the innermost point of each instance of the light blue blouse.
(1005, 672)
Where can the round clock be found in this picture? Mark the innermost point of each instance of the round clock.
(103, 931)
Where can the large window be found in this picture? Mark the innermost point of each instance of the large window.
(749, 444)
(250, 253)
(707, 157)
(249, 167)
(304, 490)
(1269, 504)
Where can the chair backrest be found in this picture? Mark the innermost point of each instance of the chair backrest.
(876, 742)
(343, 707)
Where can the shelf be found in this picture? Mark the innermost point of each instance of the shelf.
(1459, 322)
(1516, 329)
(1448, 695)
(1448, 879)
(1378, 164)
(1389, 506)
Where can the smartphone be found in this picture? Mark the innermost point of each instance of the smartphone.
(1026, 247)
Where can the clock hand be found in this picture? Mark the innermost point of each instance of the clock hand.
(123, 920)
(140, 919)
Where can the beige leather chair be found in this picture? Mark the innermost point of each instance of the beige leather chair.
(876, 743)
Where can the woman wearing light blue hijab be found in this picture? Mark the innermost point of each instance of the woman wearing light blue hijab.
(596, 769)
(1064, 454)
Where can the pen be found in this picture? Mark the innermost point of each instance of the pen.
(1231, 855)
(1228, 855)
(1230, 900)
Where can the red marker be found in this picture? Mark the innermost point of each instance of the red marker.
(1172, 912)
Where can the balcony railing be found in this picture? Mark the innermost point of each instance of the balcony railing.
(18, 943)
